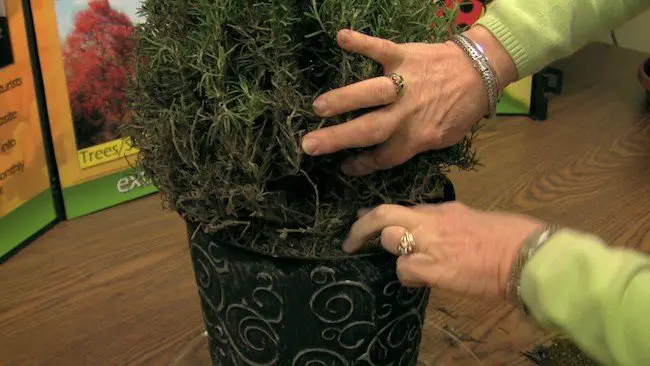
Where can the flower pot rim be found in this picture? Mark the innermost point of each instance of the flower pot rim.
(449, 195)
(262, 254)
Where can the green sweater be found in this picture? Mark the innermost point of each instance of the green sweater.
(538, 32)
(597, 295)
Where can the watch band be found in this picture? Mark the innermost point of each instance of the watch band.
(530, 246)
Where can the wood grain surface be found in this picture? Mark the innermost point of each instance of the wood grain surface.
(117, 288)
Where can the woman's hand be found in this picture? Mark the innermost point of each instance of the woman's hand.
(457, 248)
(443, 97)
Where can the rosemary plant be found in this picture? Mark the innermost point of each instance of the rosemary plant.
(222, 96)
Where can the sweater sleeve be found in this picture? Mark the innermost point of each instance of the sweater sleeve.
(597, 295)
(536, 33)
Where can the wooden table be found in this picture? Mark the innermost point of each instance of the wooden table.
(117, 287)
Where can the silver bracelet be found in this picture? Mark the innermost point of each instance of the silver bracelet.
(483, 66)
(535, 241)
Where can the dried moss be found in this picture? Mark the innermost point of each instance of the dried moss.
(222, 98)
(562, 352)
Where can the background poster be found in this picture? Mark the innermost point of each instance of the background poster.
(84, 48)
(517, 98)
(26, 201)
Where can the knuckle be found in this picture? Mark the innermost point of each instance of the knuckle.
(329, 138)
(381, 212)
(452, 212)
(385, 46)
(378, 131)
(433, 137)
(386, 92)
(364, 41)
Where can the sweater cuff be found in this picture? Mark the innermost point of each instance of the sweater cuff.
(508, 40)
(550, 273)
(595, 294)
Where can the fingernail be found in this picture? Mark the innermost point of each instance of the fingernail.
(310, 146)
(346, 248)
(344, 35)
(320, 106)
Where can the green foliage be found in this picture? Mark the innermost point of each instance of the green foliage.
(222, 97)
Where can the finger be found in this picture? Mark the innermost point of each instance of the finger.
(375, 221)
(367, 130)
(364, 94)
(405, 275)
(420, 268)
(390, 238)
(363, 211)
(397, 150)
(423, 208)
(429, 208)
(411, 284)
(385, 52)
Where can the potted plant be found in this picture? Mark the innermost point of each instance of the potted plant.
(221, 97)
(644, 79)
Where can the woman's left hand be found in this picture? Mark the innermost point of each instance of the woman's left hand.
(443, 97)
(457, 248)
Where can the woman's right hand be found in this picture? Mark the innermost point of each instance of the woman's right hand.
(457, 248)
(443, 97)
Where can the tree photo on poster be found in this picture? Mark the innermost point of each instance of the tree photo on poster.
(6, 51)
(97, 49)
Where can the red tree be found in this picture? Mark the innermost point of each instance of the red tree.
(98, 61)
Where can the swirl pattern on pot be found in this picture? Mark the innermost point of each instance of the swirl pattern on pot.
(262, 311)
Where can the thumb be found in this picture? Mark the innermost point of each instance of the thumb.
(421, 268)
(386, 52)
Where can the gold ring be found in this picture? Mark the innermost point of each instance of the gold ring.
(406, 243)
(398, 80)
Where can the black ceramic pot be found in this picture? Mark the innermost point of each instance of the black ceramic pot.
(262, 310)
